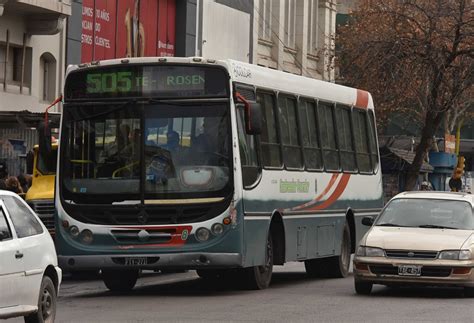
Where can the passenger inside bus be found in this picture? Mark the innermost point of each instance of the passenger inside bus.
(211, 144)
(172, 141)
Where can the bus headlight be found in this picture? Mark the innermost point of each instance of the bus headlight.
(87, 236)
(217, 228)
(202, 234)
(74, 231)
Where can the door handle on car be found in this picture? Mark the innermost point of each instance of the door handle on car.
(18, 255)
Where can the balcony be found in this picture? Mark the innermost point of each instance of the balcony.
(33, 7)
(44, 17)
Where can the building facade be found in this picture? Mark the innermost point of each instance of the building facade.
(32, 60)
(296, 36)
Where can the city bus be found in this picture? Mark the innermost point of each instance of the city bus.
(218, 166)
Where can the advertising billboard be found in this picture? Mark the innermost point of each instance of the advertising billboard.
(127, 28)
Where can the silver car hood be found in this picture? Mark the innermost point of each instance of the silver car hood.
(416, 238)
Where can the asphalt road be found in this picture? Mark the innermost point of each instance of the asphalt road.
(292, 297)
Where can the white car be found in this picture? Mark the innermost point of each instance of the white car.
(420, 238)
(29, 272)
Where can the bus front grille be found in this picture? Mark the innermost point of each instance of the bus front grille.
(149, 215)
(139, 214)
(137, 236)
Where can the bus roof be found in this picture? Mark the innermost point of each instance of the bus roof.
(262, 77)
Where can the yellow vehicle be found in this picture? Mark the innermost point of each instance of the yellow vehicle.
(40, 195)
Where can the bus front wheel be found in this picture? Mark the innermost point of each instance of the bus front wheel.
(333, 267)
(259, 277)
(120, 280)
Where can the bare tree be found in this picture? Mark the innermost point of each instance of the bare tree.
(417, 58)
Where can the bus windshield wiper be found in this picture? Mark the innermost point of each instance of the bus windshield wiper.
(434, 226)
(391, 225)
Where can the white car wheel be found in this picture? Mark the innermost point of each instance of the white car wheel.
(46, 303)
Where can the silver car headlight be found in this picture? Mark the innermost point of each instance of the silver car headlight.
(370, 252)
(465, 255)
(455, 255)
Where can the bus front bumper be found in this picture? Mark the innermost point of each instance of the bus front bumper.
(197, 260)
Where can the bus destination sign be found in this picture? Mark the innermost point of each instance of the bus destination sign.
(146, 81)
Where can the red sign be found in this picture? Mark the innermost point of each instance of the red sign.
(127, 28)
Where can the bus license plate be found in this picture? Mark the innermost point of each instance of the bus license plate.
(136, 261)
(409, 270)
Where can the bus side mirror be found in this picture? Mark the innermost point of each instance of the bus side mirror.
(368, 221)
(44, 140)
(30, 162)
(253, 118)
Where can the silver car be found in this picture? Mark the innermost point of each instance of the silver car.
(422, 238)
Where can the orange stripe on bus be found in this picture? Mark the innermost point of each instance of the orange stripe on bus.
(362, 100)
(341, 186)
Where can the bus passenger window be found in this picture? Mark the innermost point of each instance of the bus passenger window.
(374, 151)
(270, 141)
(361, 139)
(309, 133)
(289, 132)
(328, 136)
(346, 146)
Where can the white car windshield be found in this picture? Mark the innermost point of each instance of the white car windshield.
(427, 213)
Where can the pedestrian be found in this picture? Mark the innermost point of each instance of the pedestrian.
(13, 185)
(3, 186)
(22, 179)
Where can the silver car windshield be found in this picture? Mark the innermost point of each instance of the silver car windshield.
(427, 213)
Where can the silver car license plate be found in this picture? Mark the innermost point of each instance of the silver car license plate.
(136, 261)
(409, 270)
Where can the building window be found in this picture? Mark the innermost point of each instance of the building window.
(15, 66)
(313, 14)
(265, 19)
(290, 23)
(47, 77)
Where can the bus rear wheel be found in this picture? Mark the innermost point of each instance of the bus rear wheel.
(259, 277)
(120, 280)
(333, 267)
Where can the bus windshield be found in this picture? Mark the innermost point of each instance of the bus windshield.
(130, 152)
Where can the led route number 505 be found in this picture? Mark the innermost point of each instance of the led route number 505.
(109, 82)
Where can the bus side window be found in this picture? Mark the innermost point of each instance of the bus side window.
(328, 136)
(289, 132)
(361, 139)
(269, 139)
(310, 135)
(346, 145)
(248, 152)
(374, 151)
